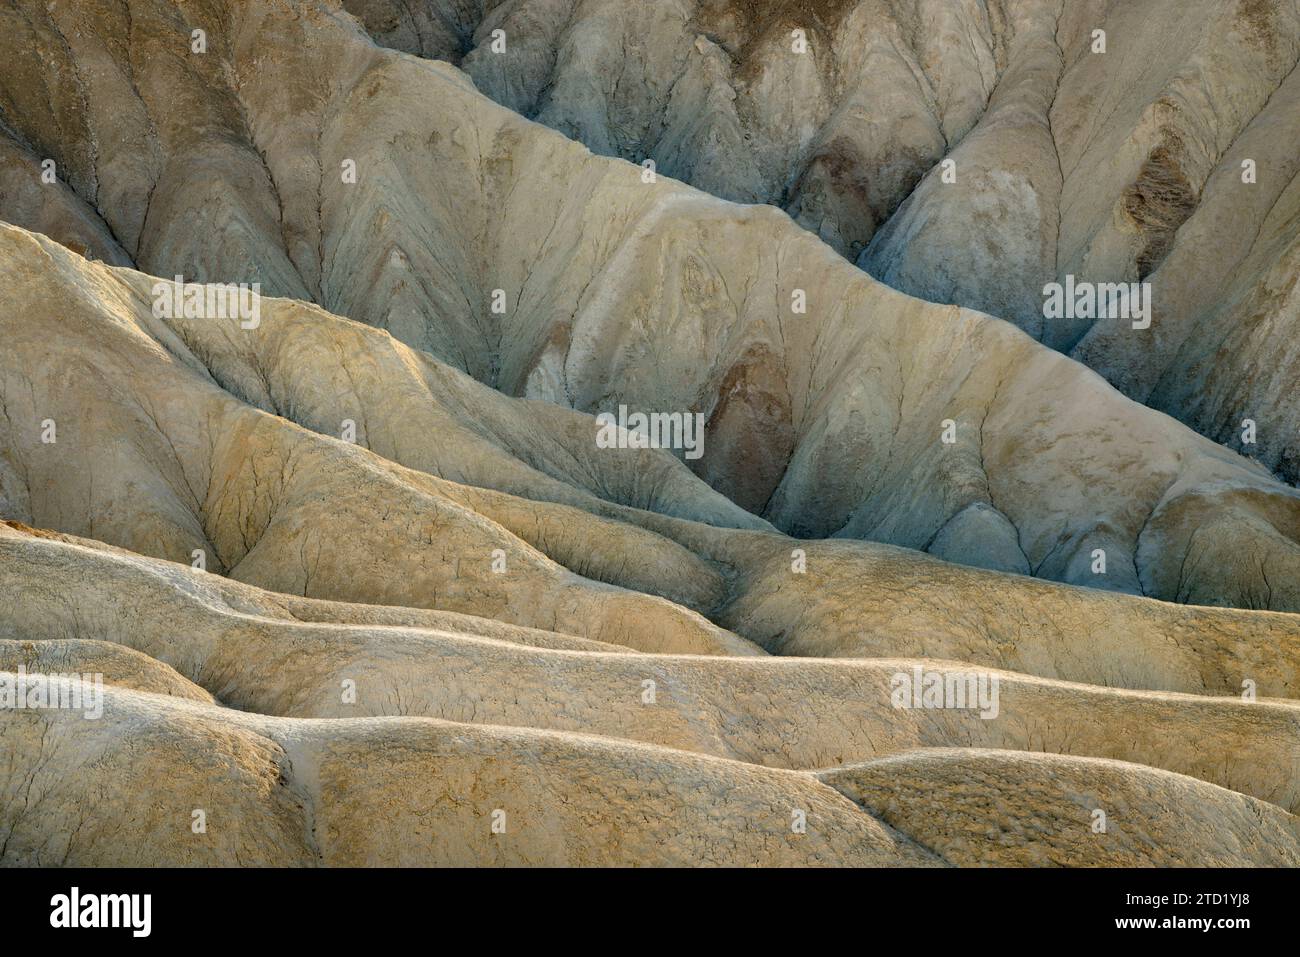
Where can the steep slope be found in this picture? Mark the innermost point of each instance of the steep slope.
(147, 433)
(965, 152)
(344, 570)
(1221, 348)
(836, 123)
(166, 441)
(828, 421)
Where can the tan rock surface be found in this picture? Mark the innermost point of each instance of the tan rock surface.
(1004, 809)
(361, 585)
(249, 650)
(613, 289)
(1069, 159)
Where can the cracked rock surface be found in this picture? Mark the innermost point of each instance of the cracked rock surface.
(358, 580)
(1112, 159)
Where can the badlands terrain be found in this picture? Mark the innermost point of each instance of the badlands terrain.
(347, 574)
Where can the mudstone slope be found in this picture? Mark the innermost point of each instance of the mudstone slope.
(359, 555)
